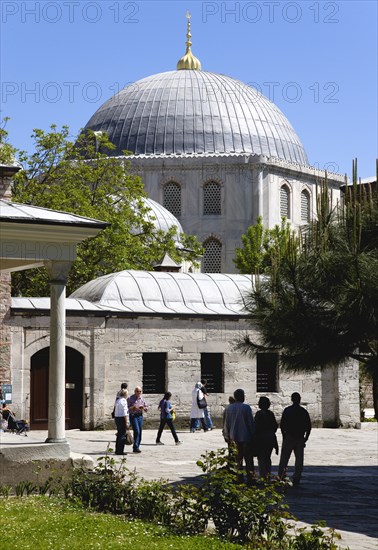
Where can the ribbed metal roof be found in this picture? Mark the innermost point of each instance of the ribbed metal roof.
(148, 292)
(196, 112)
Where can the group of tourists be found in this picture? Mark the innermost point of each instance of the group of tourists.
(256, 437)
(250, 436)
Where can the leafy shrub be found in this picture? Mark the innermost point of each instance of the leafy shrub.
(240, 512)
(149, 500)
(189, 515)
(253, 515)
(313, 538)
(102, 488)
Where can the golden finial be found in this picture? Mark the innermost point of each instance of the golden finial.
(189, 61)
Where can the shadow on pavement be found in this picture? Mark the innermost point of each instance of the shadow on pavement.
(346, 497)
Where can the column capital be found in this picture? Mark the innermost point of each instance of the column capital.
(57, 270)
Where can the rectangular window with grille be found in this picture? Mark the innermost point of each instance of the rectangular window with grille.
(154, 372)
(267, 372)
(212, 371)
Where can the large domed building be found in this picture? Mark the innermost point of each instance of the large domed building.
(214, 152)
(214, 155)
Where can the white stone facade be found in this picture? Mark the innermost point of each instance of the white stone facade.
(249, 185)
(112, 351)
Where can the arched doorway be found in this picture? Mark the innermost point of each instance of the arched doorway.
(39, 389)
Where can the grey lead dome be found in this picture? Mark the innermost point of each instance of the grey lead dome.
(196, 112)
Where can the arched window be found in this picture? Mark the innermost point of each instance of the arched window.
(212, 258)
(172, 198)
(212, 198)
(285, 202)
(305, 206)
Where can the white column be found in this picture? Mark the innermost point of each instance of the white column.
(58, 272)
(260, 192)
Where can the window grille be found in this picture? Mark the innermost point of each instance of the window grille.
(212, 371)
(305, 206)
(285, 202)
(267, 372)
(212, 199)
(172, 198)
(212, 258)
(154, 372)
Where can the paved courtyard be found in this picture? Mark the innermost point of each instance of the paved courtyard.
(340, 481)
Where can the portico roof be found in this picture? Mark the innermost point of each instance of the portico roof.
(31, 235)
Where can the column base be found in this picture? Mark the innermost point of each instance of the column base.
(55, 440)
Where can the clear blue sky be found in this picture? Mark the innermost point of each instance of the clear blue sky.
(60, 60)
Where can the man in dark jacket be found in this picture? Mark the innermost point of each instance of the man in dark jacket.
(296, 428)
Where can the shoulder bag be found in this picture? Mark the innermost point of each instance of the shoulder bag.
(202, 403)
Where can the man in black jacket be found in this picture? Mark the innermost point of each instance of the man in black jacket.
(296, 428)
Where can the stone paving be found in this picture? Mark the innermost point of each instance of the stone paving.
(339, 485)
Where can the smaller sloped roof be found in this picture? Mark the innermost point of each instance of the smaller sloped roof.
(149, 292)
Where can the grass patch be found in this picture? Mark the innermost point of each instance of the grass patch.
(53, 523)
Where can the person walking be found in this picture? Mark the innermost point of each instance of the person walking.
(231, 399)
(121, 419)
(266, 427)
(206, 410)
(239, 429)
(124, 386)
(166, 410)
(196, 412)
(295, 426)
(118, 394)
(137, 406)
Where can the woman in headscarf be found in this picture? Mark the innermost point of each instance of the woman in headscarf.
(196, 412)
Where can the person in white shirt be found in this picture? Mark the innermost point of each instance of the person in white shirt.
(121, 418)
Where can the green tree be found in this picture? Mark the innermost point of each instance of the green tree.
(7, 151)
(320, 304)
(79, 176)
(262, 247)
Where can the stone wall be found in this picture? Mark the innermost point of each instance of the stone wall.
(113, 353)
(5, 297)
(5, 333)
(250, 187)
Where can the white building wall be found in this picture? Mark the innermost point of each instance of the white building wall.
(250, 187)
(112, 350)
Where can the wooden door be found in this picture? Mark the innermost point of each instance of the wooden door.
(39, 390)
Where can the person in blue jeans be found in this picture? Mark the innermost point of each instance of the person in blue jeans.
(206, 410)
(137, 406)
(166, 410)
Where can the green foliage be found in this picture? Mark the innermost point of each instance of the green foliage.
(320, 304)
(189, 510)
(79, 176)
(150, 500)
(24, 487)
(7, 151)
(317, 538)
(5, 490)
(104, 488)
(241, 512)
(262, 247)
(45, 523)
(254, 516)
